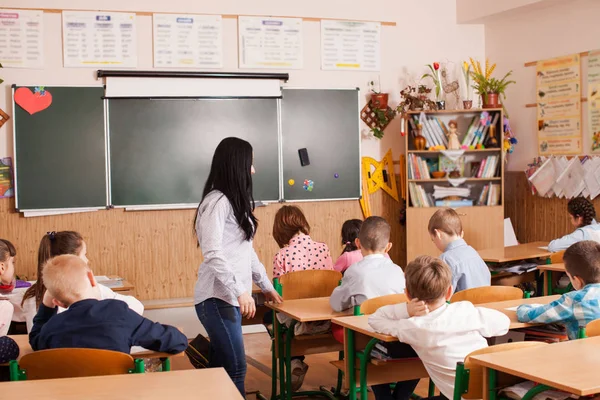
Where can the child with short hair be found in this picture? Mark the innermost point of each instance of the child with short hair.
(373, 276)
(468, 268)
(351, 253)
(441, 334)
(89, 322)
(574, 309)
(56, 244)
(583, 218)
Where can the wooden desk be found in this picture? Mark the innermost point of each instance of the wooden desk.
(308, 310)
(211, 383)
(571, 366)
(361, 325)
(126, 286)
(136, 352)
(547, 270)
(512, 315)
(515, 253)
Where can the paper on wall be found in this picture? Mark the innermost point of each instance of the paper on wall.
(591, 169)
(560, 164)
(544, 178)
(22, 38)
(571, 179)
(350, 46)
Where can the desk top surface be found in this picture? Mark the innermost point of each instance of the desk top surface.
(577, 372)
(307, 310)
(515, 253)
(211, 383)
(552, 267)
(361, 323)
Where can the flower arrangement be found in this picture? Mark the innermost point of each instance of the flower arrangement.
(466, 70)
(489, 88)
(436, 78)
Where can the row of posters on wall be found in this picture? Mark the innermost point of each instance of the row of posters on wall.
(109, 39)
(559, 106)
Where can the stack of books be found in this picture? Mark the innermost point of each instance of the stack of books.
(417, 167)
(478, 130)
(490, 195)
(488, 167)
(419, 197)
(434, 131)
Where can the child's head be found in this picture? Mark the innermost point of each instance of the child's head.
(428, 279)
(350, 231)
(445, 227)
(55, 244)
(289, 221)
(374, 236)
(582, 212)
(68, 279)
(582, 262)
(7, 261)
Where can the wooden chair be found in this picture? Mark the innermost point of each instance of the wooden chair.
(488, 294)
(557, 258)
(309, 284)
(468, 382)
(372, 305)
(593, 328)
(73, 363)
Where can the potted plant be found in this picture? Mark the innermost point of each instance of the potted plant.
(437, 82)
(378, 100)
(383, 117)
(468, 91)
(415, 99)
(487, 87)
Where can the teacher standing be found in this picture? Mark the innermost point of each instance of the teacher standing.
(225, 226)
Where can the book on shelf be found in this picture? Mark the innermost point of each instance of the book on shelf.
(419, 197)
(490, 195)
(454, 203)
(468, 138)
(417, 167)
(488, 167)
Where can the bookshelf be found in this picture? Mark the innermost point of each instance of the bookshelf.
(483, 221)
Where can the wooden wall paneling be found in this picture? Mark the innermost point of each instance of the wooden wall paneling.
(535, 218)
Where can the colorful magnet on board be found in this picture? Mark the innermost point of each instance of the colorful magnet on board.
(291, 182)
(336, 175)
(308, 185)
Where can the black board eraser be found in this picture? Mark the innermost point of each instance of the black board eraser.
(303, 153)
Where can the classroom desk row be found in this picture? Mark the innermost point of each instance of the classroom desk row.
(358, 334)
(212, 383)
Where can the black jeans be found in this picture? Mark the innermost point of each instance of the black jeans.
(403, 389)
(223, 323)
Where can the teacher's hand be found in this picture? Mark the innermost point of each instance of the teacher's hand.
(273, 296)
(247, 306)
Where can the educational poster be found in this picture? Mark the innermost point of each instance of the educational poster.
(6, 178)
(22, 38)
(99, 39)
(188, 41)
(354, 46)
(559, 105)
(270, 42)
(593, 96)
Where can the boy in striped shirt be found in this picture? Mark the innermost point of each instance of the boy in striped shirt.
(579, 307)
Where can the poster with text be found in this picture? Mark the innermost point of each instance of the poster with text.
(270, 42)
(188, 41)
(22, 38)
(559, 105)
(593, 96)
(99, 39)
(347, 45)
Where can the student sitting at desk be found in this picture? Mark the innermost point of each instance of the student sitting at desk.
(351, 253)
(9, 350)
(442, 334)
(574, 309)
(375, 275)
(56, 244)
(90, 322)
(583, 217)
(468, 268)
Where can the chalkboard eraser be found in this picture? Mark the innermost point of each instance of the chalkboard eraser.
(303, 153)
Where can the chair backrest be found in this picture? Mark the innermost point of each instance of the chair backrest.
(372, 305)
(72, 363)
(309, 284)
(488, 294)
(557, 258)
(475, 390)
(593, 328)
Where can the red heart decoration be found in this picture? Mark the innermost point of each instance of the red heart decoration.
(30, 102)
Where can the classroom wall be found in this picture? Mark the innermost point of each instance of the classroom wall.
(562, 28)
(156, 250)
(470, 11)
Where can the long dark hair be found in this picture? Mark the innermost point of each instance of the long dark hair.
(52, 244)
(230, 174)
(350, 230)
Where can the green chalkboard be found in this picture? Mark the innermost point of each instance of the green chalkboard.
(161, 150)
(60, 152)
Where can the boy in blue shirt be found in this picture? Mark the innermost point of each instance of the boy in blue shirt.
(89, 322)
(468, 269)
(578, 308)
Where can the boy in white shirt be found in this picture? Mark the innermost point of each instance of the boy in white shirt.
(441, 334)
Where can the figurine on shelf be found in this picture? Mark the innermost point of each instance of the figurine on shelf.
(453, 143)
